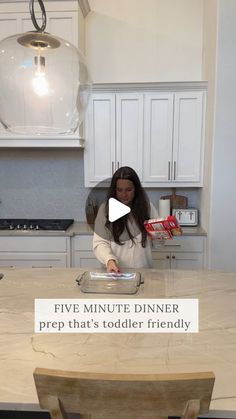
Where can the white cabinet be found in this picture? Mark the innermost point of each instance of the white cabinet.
(179, 253)
(158, 136)
(43, 251)
(62, 21)
(173, 135)
(166, 260)
(82, 253)
(157, 131)
(114, 135)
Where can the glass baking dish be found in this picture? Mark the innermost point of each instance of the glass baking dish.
(109, 283)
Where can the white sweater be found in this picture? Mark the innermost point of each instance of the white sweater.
(128, 255)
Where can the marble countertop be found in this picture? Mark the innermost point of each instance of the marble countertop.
(81, 228)
(212, 349)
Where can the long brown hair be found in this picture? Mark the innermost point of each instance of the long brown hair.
(140, 206)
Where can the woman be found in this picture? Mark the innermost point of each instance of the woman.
(124, 243)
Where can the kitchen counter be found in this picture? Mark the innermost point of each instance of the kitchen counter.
(80, 228)
(76, 228)
(194, 231)
(212, 349)
(84, 228)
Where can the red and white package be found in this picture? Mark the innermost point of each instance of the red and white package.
(163, 228)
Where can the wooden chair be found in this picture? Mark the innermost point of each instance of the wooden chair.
(123, 396)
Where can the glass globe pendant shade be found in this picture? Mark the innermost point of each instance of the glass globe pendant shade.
(44, 84)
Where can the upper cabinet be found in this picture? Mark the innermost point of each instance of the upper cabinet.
(173, 138)
(63, 21)
(114, 134)
(156, 128)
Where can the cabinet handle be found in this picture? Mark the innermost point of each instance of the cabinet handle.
(168, 170)
(41, 267)
(174, 170)
(118, 165)
(173, 257)
(172, 245)
(112, 167)
(167, 257)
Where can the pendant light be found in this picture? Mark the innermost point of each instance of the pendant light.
(44, 82)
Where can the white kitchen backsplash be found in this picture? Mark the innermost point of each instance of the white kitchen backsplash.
(49, 183)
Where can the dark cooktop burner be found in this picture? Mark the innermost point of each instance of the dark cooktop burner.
(36, 224)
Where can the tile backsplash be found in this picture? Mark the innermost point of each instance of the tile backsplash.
(49, 183)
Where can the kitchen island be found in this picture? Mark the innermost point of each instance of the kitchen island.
(212, 349)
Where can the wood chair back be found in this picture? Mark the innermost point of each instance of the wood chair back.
(123, 396)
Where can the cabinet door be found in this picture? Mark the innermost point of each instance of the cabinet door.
(161, 260)
(114, 133)
(188, 138)
(129, 131)
(82, 253)
(174, 131)
(186, 260)
(164, 260)
(10, 24)
(100, 135)
(158, 137)
(85, 260)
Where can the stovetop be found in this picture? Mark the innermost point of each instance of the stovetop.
(35, 224)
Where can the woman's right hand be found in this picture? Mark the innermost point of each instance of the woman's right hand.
(112, 266)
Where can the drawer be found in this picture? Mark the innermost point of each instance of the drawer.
(33, 244)
(180, 244)
(33, 260)
(81, 242)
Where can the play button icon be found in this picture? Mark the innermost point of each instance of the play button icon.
(98, 208)
(116, 209)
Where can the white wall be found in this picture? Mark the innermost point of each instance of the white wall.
(223, 225)
(210, 28)
(151, 40)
